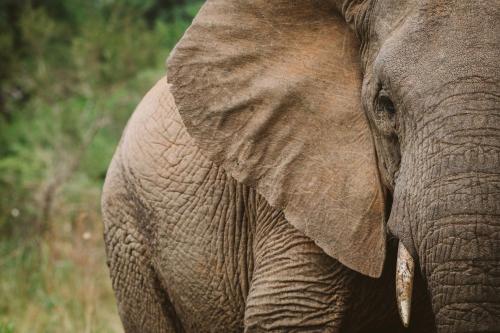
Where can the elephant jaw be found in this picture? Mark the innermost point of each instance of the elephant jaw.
(405, 269)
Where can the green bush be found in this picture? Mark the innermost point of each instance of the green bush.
(82, 68)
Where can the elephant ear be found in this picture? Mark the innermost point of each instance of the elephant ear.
(270, 90)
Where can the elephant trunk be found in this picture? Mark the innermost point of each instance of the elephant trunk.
(459, 234)
(460, 257)
(447, 211)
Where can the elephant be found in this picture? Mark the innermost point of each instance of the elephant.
(314, 166)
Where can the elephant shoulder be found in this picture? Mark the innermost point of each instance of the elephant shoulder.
(156, 152)
(155, 132)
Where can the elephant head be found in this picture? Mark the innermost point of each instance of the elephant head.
(358, 118)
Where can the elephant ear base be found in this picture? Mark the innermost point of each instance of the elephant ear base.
(270, 91)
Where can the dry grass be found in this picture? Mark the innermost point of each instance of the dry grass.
(58, 283)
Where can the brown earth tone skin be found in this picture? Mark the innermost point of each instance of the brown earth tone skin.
(210, 228)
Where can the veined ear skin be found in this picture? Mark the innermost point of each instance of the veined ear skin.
(270, 90)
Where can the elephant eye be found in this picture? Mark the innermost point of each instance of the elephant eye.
(385, 104)
(386, 117)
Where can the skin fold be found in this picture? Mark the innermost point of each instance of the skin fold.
(202, 236)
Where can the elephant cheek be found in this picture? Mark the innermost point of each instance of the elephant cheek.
(399, 220)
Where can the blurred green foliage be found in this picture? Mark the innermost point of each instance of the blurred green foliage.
(72, 72)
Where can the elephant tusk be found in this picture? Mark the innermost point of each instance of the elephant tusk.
(405, 268)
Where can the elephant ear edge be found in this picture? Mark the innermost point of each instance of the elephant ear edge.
(270, 91)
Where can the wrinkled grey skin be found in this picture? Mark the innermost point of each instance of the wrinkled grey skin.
(440, 152)
(192, 250)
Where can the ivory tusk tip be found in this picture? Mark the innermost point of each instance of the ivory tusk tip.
(405, 268)
(404, 312)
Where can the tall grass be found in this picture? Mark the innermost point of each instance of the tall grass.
(74, 80)
(58, 283)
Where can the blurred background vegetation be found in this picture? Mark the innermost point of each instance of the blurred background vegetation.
(71, 73)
